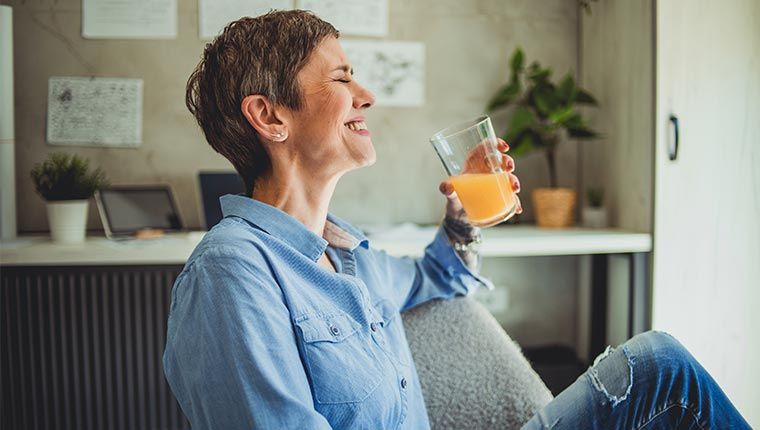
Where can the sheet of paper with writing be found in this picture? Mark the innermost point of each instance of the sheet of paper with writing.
(94, 111)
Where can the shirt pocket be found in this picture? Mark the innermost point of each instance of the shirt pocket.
(339, 358)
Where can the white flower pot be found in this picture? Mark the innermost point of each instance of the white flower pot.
(594, 217)
(67, 220)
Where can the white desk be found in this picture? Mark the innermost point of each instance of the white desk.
(509, 241)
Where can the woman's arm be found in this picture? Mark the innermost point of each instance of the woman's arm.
(439, 274)
(231, 357)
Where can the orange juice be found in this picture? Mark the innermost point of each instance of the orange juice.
(486, 197)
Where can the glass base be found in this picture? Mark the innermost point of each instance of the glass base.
(498, 219)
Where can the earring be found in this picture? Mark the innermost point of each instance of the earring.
(279, 137)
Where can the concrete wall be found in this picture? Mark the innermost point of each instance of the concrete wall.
(467, 48)
(467, 45)
(617, 66)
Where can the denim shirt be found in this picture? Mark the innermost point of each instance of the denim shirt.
(261, 336)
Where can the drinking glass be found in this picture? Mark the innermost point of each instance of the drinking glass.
(470, 156)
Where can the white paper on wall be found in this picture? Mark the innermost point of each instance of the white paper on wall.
(214, 15)
(394, 71)
(94, 111)
(133, 19)
(354, 17)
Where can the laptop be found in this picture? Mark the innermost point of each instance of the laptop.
(125, 210)
(212, 186)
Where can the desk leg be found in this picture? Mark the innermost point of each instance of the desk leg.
(599, 281)
(639, 319)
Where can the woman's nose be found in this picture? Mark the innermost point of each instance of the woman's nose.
(363, 98)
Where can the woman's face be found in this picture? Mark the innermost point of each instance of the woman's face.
(330, 128)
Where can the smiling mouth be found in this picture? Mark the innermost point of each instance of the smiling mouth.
(356, 125)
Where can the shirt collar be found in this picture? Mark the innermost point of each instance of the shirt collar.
(285, 227)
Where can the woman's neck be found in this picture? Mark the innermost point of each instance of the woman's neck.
(303, 196)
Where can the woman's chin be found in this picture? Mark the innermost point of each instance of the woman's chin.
(364, 155)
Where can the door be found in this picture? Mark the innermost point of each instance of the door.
(706, 268)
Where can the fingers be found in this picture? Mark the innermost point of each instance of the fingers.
(516, 188)
(447, 189)
(515, 183)
(508, 164)
(502, 145)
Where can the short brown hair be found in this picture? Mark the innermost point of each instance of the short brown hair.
(261, 55)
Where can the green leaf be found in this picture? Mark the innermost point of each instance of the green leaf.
(574, 121)
(540, 75)
(66, 177)
(582, 133)
(562, 115)
(521, 144)
(567, 89)
(516, 62)
(544, 99)
(505, 95)
(522, 119)
(584, 97)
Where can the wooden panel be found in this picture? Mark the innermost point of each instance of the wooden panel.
(707, 235)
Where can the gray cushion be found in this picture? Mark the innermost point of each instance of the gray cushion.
(473, 375)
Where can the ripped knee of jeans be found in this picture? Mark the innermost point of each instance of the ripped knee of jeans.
(612, 374)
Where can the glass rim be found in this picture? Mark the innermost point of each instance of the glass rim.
(460, 128)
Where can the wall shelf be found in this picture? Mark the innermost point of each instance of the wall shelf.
(508, 241)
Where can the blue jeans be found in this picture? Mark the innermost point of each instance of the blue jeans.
(650, 382)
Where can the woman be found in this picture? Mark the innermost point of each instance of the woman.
(284, 316)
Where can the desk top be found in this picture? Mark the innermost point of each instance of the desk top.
(504, 241)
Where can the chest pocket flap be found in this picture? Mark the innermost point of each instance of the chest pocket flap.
(387, 311)
(333, 328)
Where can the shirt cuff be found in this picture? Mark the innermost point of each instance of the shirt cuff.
(443, 252)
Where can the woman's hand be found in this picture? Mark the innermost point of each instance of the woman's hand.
(474, 161)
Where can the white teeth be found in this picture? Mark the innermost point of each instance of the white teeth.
(357, 125)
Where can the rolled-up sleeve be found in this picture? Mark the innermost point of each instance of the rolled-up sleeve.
(231, 355)
(439, 274)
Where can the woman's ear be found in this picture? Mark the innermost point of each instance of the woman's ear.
(262, 116)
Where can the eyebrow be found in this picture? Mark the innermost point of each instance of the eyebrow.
(346, 68)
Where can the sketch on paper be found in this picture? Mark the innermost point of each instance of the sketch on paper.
(95, 111)
(356, 17)
(214, 15)
(394, 71)
(134, 19)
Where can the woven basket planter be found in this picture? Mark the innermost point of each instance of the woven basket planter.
(554, 207)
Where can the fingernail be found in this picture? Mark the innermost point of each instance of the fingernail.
(516, 185)
(510, 164)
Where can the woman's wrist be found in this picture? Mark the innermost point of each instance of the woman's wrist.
(464, 238)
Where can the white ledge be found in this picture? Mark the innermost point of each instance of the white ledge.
(506, 241)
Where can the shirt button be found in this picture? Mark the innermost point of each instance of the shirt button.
(403, 383)
(373, 326)
(335, 331)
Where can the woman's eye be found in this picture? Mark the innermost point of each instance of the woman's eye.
(345, 81)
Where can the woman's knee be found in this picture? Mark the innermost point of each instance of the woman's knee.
(632, 365)
(660, 352)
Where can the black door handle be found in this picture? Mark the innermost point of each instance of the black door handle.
(673, 145)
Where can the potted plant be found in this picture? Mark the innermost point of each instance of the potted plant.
(66, 183)
(544, 115)
(595, 214)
